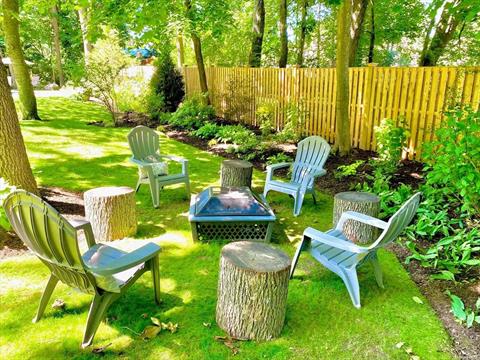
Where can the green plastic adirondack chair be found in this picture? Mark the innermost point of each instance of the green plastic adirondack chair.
(103, 271)
(337, 253)
(144, 143)
(312, 153)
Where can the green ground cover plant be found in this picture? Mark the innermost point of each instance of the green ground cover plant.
(321, 322)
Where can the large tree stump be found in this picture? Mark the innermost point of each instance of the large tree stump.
(111, 211)
(361, 202)
(236, 173)
(252, 290)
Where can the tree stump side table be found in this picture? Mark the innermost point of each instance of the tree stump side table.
(252, 290)
(236, 173)
(361, 202)
(111, 211)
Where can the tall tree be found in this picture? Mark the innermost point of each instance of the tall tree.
(14, 165)
(342, 136)
(359, 8)
(28, 102)
(84, 19)
(303, 30)
(197, 47)
(58, 73)
(450, 14)
(371, 47)
(255, 58)
(282, 25)
(180, 51)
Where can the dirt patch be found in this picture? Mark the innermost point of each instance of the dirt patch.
(466, 341)
(68, 203)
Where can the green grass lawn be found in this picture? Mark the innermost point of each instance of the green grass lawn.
(321, 322)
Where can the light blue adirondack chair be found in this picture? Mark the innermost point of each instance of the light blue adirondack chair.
(144, 143)
(104, 271)
(312, 153)
(337, 253)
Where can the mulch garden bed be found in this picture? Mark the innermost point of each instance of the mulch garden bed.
(466, 341)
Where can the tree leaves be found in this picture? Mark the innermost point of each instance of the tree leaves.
(152, 331)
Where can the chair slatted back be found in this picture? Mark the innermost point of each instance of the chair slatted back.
(52, 238)
(399, 221)
(143, 142)
(312, 153)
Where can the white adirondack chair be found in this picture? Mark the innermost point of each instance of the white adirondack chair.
(145, 147)
(312, 153)
(337, 253)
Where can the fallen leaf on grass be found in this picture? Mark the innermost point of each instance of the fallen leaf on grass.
(207, 325)
(415, 357)
(58, 304)
(144, 315)
(156, 321)
(399, 345)
(101, 349)
(170, 327)
(229, 342)
(150, 332)
(417, 300)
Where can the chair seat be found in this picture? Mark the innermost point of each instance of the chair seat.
(326, 253)
(102, 255)
(166, 177)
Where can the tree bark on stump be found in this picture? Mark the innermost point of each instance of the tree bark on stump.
(236, 173)
(111, 211)
(361, 202)
(252, 290)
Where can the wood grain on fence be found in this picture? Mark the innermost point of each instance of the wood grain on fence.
(416, 97)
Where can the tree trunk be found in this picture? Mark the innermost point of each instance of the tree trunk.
(342, 138)
(14, 165)
(371, 47)
(236, 173)
(28, 102)
(111, 211)
(365, 203)
(358, 17)
(252, 290)
(84, 18)
(452, 15)
(58, 73)
(180, 52)
(255, 58)
(197, 47)
(303, 29)
(282, 62)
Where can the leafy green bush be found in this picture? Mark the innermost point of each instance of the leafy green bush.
(166, 84)
(191, 114)
(131, 94)
(391, 141)
(236, 134)
(453, 159)
(208, 131)
(462, 313)
(295, 118)
(344, 171)
(278, 158)
(265, 116)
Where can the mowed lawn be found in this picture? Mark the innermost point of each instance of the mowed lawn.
(321, 322)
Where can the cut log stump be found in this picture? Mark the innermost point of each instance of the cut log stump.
(236, 173)
(252, 290)
(111, 211)
(361, 202)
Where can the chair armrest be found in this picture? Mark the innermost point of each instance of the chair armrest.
(174, 158)
(273, 167)
(333, 241)
(128, 261)
(365, 219)
(140, 162)
(82, 224)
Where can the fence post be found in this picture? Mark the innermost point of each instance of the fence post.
(366, 121)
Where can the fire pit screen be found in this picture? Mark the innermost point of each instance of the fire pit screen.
(231, 214)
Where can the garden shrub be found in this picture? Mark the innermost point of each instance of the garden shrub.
(191, 114)
(294, 121)
(344, 171)
(208, 131)
(278, 158)
(265, 116)
(236, 134)
(132, 94)
(453, 159)
(167, 89)
(391, 142)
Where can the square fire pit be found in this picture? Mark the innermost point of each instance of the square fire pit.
(232, 214)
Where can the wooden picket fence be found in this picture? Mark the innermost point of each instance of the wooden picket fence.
(419, 95)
